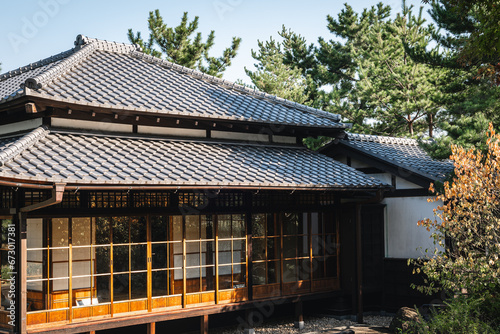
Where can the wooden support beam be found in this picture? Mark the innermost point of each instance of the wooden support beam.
(30, 108)
(359, 266)
(204, 324)
(299, 316)
(151, 328)
(249, 322)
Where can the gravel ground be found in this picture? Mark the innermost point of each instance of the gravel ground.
(312, 324)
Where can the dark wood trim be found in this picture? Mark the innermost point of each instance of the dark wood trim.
(419, 192)
(370, 170)
(204, 324)
(359, 265)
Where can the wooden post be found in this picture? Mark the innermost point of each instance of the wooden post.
(249, 266)
(359, 266)
(204, 324)
(151, 328)
(299, 316)
(21, 288)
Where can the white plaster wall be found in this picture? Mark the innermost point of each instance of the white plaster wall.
(402, 234)
(403, 184)
(20, 126)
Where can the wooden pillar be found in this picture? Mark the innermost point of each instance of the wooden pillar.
(21, 295)
(248, 223)
(204, 324)
(359, 266)
(151, 328)
(299, 315)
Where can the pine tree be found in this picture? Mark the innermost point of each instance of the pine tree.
(401, 93)
(177, 45)
(274, 77)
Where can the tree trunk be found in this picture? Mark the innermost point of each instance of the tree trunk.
(410, 128)
(431, 125)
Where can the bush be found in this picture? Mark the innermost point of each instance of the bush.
(463, 314)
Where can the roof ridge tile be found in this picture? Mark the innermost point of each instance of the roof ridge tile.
(380, 139)
(234, 86)
(22, 144)
(38, 81)
(105, 45)
(37, 64)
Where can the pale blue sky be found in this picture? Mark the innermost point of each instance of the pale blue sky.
(35, 29)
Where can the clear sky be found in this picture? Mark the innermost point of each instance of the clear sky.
(34, 29)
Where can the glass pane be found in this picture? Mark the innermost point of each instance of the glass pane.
(102, 230)
(289, 247)
(303, 246)
(81, 253)
(192, 247)
(178, 283)
(225, 280)
(290, 223)
(224, 226)
(330, 244)
(60, 284)
(208, 274)
(259, 225)
(272, 225)
(304, 269)
(331, 266)
(258, 249)
(193, 280)
(59, 232)
(81, 231)
(138, 229)
(329, 221)
(289, 271)
(159, 256)
(139, 284)
(102, 259)
(193, 260)
(120, 230)
(138, 257)
(239, 251)
(317, 245)
(273, 248)
(159, 228)
(176, 227)
(259, 273)
(34, 270)
(33, 256)
(239, 276)
(120, 287)
(238, 226)
(192, 227)
(82, 282)
(37, 300)
(207, 252)
(120, 259)
(273, 272)
(103, 289)
(34, 231)
(160, 283)
(59, 255)
(207, 227)
(82, 268)
(224, 252)
(318, 268)
(177, 261)
(316, 225)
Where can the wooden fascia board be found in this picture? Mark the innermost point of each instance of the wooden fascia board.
(242, 125)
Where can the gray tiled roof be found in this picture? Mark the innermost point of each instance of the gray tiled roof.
(402, 152)
(118, 76)
(88, 159)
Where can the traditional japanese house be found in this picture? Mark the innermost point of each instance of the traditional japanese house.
(391, 241)
(135, 191)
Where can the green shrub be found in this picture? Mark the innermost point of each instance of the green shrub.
(463, 314)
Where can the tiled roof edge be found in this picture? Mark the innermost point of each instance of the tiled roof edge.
(22, 144)
(38, 81)
(380, 139)
(231, 85)
(37, 64)
(104, 45)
